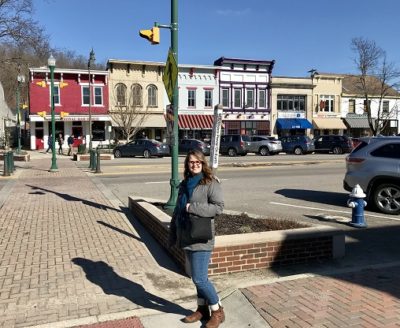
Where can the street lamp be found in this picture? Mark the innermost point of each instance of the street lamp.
(20, 79)
(312, 72)
(90, 63)
(51, 62)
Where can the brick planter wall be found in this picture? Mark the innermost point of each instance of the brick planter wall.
(250, 251)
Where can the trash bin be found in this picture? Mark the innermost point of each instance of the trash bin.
(81, 149)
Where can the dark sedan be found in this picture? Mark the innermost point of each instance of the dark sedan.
(185, 145)
(142, 147)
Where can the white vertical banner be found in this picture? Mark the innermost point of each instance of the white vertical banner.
(216, 137)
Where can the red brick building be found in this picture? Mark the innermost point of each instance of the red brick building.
(72, 103)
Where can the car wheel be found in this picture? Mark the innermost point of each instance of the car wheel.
(264, 151)
(386, 198)
(298, 151)
(232, 152)
(337, 150)
(117, 154)
(146, 154)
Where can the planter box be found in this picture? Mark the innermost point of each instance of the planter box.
(250, 251)
(86, 157)
(18, 157)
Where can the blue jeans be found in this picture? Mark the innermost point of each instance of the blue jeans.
(198, 261)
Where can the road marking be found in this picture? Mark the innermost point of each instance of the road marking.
(336, 211)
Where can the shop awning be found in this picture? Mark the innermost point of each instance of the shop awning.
(195, 122)
(357, 122)
(149, 121)
(293, 123)
(334, 123)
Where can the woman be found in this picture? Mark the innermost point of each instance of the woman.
(200, 194)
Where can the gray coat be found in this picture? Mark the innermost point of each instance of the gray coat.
(206, 201)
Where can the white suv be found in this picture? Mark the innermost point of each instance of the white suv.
(375, 165)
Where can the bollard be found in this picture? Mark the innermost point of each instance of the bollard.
(357, 203)
(6, 172)
(98, 162)
(90, 159)
(12, 162)
(94, 160)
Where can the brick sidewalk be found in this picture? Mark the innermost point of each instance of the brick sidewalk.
(68, 253)
(368, 298)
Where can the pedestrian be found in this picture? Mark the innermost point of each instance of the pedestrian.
(70, 142)
(60, 143)
(49, 143)
(199, 197)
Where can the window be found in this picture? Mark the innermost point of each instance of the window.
(98, 131)
(191, 98)
(237, 100)
(249, 98)
(262, 99)
(152, 96)
(85, 95)
(225, 97)
(56, 95)
(121, 94)
(136, 95)
(98, 96)
(327, 104)
(365, 105)
(388, 151)
(352, 106)
(291, 102)
(207, 98)
(385, 106)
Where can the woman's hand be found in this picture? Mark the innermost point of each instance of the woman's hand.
(187, 207)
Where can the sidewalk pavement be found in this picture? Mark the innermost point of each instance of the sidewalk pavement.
(72, 256)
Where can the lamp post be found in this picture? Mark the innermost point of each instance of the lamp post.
(51, 62)
(90, 63)
(20, 79)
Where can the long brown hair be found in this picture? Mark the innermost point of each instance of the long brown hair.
(207, 171)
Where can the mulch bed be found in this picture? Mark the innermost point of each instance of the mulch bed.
(231, 224)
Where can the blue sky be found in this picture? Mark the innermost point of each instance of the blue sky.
(298, 35)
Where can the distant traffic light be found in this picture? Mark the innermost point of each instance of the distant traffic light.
(152, 35)
(41, 84)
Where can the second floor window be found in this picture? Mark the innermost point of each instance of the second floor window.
(225, 98)
(352, 106)
(385, 106)
(291, 102)
(98, 96)
(56, 94)
(237, 101)
(207, 98)
(249, 98)
(136, 95)
(191, 98)
(262, 103)
(152, 96)
(85, 96)
(327, 104)
(120, 90)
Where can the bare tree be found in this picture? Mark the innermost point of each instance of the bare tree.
(378, 79)
(128, 112)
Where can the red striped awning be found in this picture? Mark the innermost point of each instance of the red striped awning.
(195, 122)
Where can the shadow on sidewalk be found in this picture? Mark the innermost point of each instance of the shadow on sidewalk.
(103, 275)
(316, 196)
(128, 234)
(68, 197)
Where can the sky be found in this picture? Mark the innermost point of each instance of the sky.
(297, 34)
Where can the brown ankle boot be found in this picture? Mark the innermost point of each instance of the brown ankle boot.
(217, 317)
(202, 313)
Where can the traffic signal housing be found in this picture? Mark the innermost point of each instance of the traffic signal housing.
(42, 114)
(152, 35)
(63, 114)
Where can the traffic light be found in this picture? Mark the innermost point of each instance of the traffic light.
(24, 106)
(63, 84)
(152, 35)
(63, 114)
(42, 114)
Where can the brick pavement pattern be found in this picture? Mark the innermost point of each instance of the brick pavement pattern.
(124, 323)
(67, 253)
(368, 298)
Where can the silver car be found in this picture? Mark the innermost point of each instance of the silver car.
(264, 145)
(375, 165)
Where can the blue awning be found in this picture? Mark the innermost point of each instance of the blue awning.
(293, 123)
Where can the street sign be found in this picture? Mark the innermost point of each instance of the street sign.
(170, 75)
(216, 137)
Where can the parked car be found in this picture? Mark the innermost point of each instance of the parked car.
(297, 144)
(333, 144)
(375, 166)
(185, 145)
(264, 145)
(142, 147)
(234, 144)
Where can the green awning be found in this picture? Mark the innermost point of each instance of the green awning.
(357, 122)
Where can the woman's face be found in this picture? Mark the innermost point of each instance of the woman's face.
(195, 165)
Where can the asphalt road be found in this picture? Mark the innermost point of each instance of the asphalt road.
(302, 188)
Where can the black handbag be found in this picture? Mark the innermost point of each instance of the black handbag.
(200, 228)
